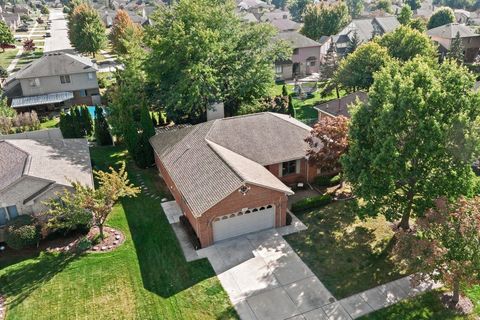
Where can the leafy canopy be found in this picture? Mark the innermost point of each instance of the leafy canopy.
(123, 30)
(414, 140)
(86, 30)
(441, 17)
(324, 19)
(6, 36)
(297, 8)
(201, 53)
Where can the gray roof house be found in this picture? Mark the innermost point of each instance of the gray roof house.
(32, 171)
(340, 107)
(231, 176)
(305, 58)
(445, 34)
(53, 82)
(366, 29)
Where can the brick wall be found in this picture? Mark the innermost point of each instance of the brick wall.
(256, 197)
(307, 173)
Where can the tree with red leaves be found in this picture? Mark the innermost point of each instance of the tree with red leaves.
(445, 246)
(328, 141)
(29, 45)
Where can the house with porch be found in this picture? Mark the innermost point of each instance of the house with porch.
(305, 56)
(232, 176)
(52, 83)
(34, 170)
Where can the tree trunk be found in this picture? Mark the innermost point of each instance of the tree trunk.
(456, 292)
(100, 228)
(405, 222)
(336, 90)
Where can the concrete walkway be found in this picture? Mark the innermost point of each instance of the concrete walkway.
(14, 62)
(265, 279)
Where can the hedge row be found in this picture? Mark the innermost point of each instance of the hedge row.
(327, 181)
(311, 203)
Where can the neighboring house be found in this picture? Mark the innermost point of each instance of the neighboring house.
(462, 16)
(305, 56)
(52, 83)
(231, 176)
(33, 171)
(426, 10)
(21, 9)
(285, 25)
(340, 107)
(275, 15)
(247, 17)
(107, 17)
(257, 7)
(325, 45)
(366, 29)
(445, 34)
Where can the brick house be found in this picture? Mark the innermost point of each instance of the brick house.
(444, 36)
(231, 176)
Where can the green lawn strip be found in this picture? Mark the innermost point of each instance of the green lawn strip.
(426, 306)
(52, 123)
(346, 254)
(7, 57)
(146, 278)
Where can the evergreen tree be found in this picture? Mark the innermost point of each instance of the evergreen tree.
(6, 36)
(87, 122)
(284, 91)
(291, 109)
(353, 43)
(456, 49)
(144, 152)
(328, 70)
(405, 15)
(102, 133)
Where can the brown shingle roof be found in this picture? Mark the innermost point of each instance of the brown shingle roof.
(12, 163)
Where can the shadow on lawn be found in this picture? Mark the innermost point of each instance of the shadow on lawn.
(348, 258)
(18, 282)
(162, 264)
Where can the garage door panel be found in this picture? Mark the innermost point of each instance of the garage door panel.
(236, 224)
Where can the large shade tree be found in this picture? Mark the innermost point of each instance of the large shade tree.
(123, 31)
(6, 36)
(86, 30)
(202, 53)
(297, 8)
(414, 140)
(441, 17)
(405, 43)
(324, 19)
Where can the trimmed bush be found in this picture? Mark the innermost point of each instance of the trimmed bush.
(311, 203)
(190, 232)
(327, 181)
(84, 244)
(22, 232)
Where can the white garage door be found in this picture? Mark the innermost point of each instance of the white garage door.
(251, 220)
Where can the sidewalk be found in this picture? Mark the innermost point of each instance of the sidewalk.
(14, 62)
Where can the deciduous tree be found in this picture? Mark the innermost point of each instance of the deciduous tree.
(384, 5)
(297, 8)
(28, 45)
(405, 43)
(123, 30)
(357, 69)
(414, 4)
(445, 245)
(441, 17)
(86, 30)
(327, 142)
(405, 16)
(201, 53)
(324, 19)
(414, 140)
(355, 8)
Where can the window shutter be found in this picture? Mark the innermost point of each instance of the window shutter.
(280, 169)
(297, 166)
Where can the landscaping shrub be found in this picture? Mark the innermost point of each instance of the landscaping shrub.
(84, 244)
(311, 203)
(22, 232)
(190, 232)
(327, 181)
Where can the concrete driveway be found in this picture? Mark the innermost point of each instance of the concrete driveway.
(266, 279)
(59, 33)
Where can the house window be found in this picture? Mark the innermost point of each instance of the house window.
(295, 51)
(278, 69)
(65, 79)
(35, 82)
(289, 167)
(7, 213)
(83, 93)
(90, 76)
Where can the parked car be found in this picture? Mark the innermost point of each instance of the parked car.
(47, 35)
(23, 28)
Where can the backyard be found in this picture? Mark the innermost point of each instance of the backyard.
(146, 278)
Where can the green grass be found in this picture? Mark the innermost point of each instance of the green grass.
(346, 254)
(52, 123)
(426, 306)
(305, 107)
(7, 57)
(146, 278)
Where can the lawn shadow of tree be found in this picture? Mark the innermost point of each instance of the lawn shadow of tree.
(19, 281)
(347, 258)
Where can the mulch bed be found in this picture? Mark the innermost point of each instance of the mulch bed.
(464, 305)
(113, 239)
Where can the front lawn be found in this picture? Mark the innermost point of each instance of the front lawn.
(346, 254)
(7, 57)
(146, 278)
(52, 123)
(426, 306)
